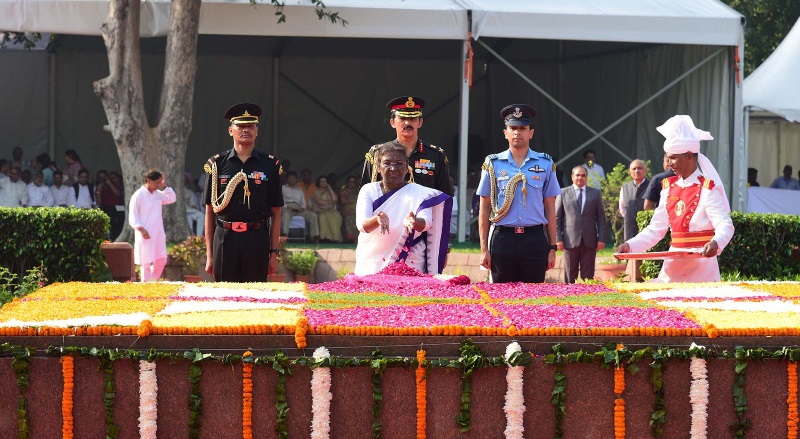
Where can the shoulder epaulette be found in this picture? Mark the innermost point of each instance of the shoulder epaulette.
(271, 157)
(668, 181)
(545, 155)
(210, 163)
(708, 184)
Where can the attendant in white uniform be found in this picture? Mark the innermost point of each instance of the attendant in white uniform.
(59, 190)
(39, 194)
(693, 207)
(150, 244)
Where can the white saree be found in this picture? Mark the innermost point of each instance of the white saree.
(425, 251)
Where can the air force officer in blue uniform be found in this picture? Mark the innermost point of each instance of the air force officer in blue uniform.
(517, 220)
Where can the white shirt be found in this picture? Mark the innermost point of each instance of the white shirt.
(13, 194)
(145, 211)
(293, 195)
(39, 196)
(61, 195)
(84, 199)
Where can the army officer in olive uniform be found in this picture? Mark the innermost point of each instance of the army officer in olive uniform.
(428, 164)
(242, 194)
(517, 220)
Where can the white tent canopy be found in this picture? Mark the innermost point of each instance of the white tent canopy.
(775, 85)
(602, 60)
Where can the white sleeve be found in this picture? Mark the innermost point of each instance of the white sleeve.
(717, 213)
(655, 231)
(133, 212)
(621, 204)
(363, 207)
(168, 195)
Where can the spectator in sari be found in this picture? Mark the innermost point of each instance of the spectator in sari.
(348, 196)
(330, 221)
(400, 221)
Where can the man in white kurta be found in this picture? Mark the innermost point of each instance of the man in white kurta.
(693, 206)
(38, 194)
(150, 244)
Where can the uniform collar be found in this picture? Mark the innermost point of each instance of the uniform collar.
(690, 180)
(506, 155)
(256, 154)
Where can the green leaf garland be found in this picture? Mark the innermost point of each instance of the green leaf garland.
(281, 364)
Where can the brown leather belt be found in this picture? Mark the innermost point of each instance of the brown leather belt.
(241, 226)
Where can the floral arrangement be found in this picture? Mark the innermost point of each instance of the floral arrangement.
(191, 253)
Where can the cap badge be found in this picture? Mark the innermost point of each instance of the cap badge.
(410, 102)
(246, 113)
(517, 113)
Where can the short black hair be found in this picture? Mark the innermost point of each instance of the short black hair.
(388, 147)
(153, 174)
(291, 173)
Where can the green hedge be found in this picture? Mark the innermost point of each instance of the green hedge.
(65, 241)
(761, 248)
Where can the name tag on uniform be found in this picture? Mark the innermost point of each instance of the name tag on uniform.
(505, 177)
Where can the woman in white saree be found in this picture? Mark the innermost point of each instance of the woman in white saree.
(400, 221)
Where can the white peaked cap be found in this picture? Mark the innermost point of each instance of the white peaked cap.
(682, 137)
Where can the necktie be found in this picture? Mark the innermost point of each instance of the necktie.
(580, 200)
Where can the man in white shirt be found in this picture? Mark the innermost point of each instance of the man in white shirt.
(150, 242)
(59, 190)
(13, 192)
(82, 194)
(294, 204)
(39, 194)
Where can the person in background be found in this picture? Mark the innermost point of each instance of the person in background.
(752, 177)
(38, 194)
(74, 166)
(348, 196)
(26, 176)
(324, 205)
(108, 194)
(59, 190)
(332, 182)
(652, 194)
(294, 204)
(580, 226)
(429, 164)
(194, 215)
(595, 172)
(693, 207)
(787, 181)
(145, 217)
(4, 168)
(307, 186)
(631, 202)
(23, 165)
(47, 167)
(13, 192)
(82, 195)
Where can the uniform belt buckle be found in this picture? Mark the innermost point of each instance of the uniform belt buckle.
(519, 229)
(238, 226)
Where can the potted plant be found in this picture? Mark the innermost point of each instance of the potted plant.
(301, 263)
(190, 253)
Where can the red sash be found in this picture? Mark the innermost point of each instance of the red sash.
(681, 206)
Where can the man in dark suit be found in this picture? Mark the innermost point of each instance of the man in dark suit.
(580, 226)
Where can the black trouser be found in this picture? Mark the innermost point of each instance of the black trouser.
(519, 257)
(241, 256)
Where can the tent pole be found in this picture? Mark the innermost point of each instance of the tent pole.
(463, 141)
(556, 102)
(51, 137)
(276, 80)
(739, 139)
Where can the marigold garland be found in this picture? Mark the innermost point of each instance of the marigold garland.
(791, 400)
(247, 395)
(300, 332)
(68, 373)
(422, 395)
(145, 328)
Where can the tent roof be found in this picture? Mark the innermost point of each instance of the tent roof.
(775, 85)
(650, 21)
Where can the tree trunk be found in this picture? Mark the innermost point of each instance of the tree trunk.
(139, 146)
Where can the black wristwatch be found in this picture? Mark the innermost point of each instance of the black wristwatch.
(275, 250)
(553, 247)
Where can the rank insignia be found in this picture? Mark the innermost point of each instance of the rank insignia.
(537, 168)
(207, 168)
